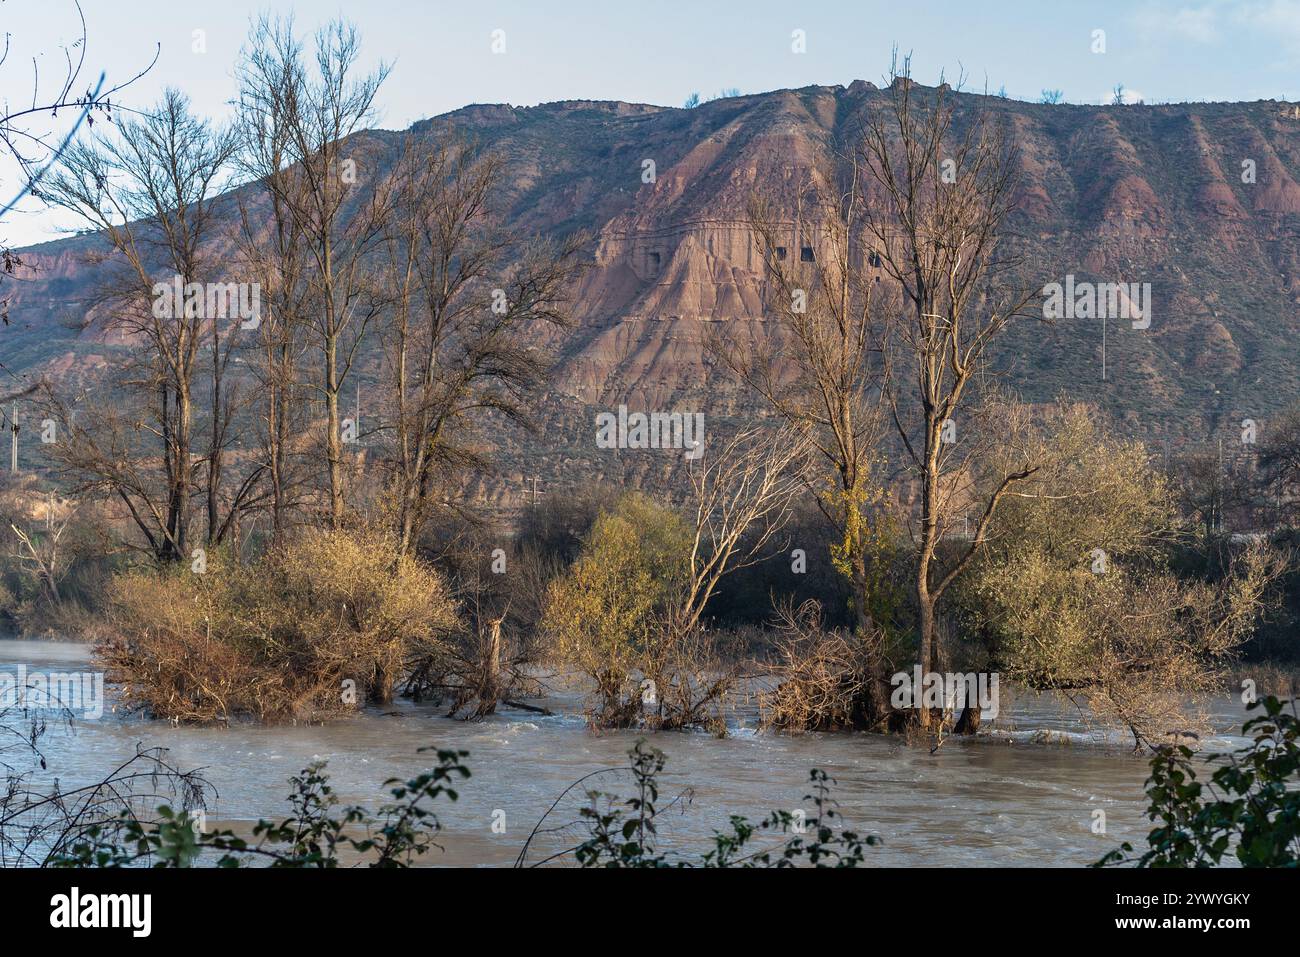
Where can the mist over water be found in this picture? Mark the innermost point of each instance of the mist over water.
(1022, 794)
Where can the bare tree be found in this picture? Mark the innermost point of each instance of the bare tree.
(739, 500)
(273, 248)
(1279, 464)
(150, 191)
(316, 112)
(40, 554)
(31, 148)
(945, 199)
(465, 297)
(820, 372)
(740, 495)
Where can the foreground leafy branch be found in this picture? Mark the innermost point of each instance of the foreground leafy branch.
(1249, 808)
(623, 833)
(319, 832)
(312, 836)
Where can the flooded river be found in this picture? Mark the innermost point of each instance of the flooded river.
(1006, 798)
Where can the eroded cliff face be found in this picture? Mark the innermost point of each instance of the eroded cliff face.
(1200, 200)
(1197, 200)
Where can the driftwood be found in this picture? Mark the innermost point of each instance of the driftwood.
(528, 707)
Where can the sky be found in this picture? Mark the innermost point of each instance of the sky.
(442, 53)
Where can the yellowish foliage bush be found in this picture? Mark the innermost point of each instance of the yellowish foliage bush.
(327, 623)
(1074, 592)
(606, 613)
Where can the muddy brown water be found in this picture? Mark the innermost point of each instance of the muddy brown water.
(1023, 792)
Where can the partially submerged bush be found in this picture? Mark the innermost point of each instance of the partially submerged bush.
(629, 613)
(603, 615)
(501, 589)
(690, 680)
(325, 624)
(1074, 591)
(822, 676)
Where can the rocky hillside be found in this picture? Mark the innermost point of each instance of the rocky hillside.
(1158, 194)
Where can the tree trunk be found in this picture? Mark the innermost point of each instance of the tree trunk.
(969, 722)
(925, 625)
(874, 710)
(277, 473)
(491, 690)
(925, 601)
(215, 452)
(333, 439)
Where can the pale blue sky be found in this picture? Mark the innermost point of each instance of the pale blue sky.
(659, 52)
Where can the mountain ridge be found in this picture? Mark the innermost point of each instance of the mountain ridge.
(1133, 193)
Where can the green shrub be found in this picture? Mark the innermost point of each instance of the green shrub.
(1074, 590)
(1250, 807)
(604, 613)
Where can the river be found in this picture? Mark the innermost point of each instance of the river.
(1004, 798)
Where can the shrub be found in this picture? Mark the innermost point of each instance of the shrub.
(605, 613)
(326, 623)
(822, 676)
(501, 587)
(1075, 592)
(624, 832)
(1250, 806)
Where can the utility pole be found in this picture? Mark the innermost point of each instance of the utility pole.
(1219, 484)
(534, 492)
(1103, 346)
(13, 446)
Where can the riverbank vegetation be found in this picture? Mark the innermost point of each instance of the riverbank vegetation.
(126, 821)
(245, 538)
(314, 628)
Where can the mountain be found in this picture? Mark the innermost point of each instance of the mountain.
(1159, 194)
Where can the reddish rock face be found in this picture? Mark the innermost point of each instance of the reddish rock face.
(1132, 194)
